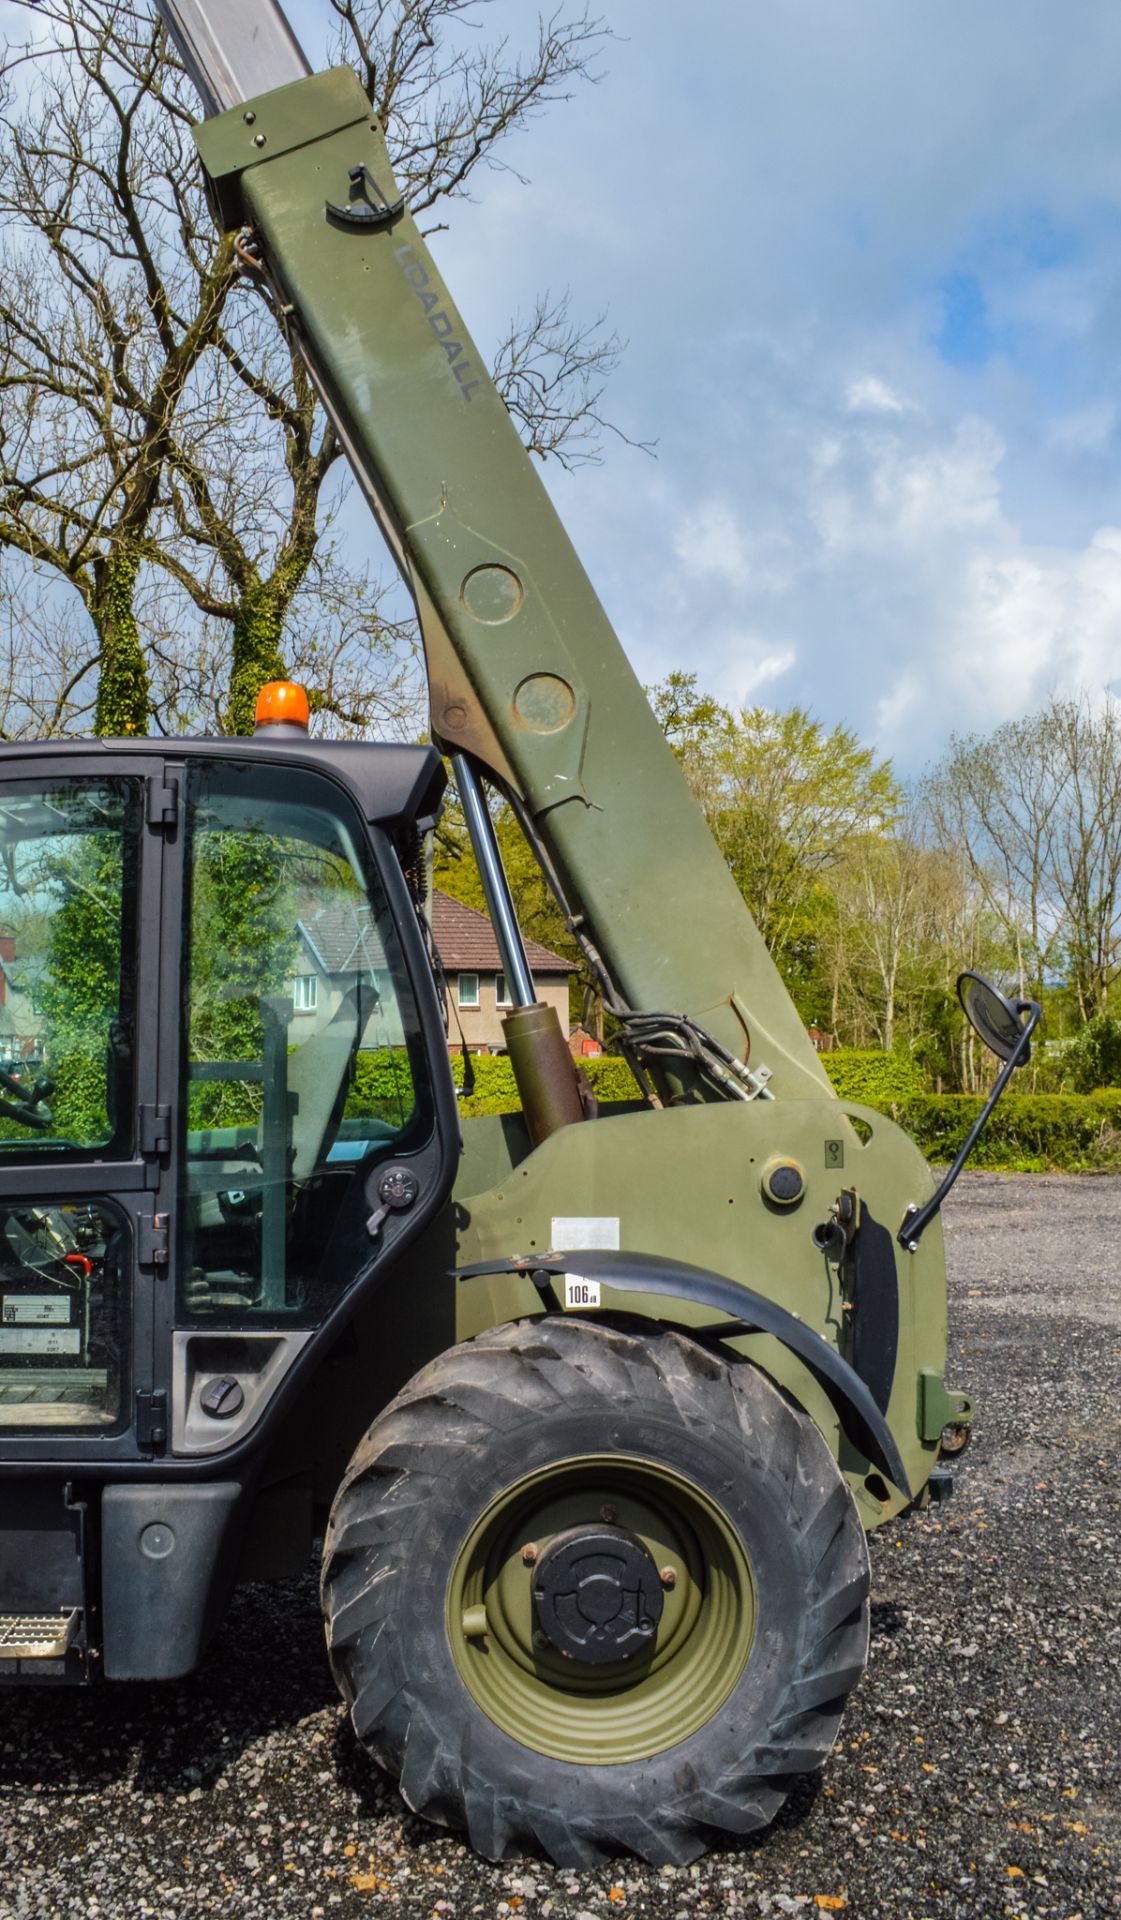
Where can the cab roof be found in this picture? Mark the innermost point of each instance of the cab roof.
(393, 785)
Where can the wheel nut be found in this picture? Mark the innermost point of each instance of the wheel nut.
(540, 1640)
(529, 1554)
(607, 1514)
(668, 1576)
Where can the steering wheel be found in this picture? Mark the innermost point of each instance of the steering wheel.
(27, 1106)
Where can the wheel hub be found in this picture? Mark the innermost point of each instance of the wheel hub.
(544, 1690)
(597, 1593)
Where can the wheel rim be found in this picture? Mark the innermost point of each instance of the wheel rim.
(624, 1709)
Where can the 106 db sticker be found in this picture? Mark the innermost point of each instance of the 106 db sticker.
(579, 1292)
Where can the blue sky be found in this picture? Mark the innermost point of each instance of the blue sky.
(867, 258)
(868, 263)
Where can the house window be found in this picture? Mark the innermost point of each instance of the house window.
(468, 989)
(305, 992)
(500, 993)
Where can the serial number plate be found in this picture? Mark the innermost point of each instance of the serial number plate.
(40, 1339)
(35, 1310)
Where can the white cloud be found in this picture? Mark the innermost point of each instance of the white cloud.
(871, 395)
(888, 585)
(851, 509)
(772, 666)
(712, 542)
(715, 545)
(1088, 429)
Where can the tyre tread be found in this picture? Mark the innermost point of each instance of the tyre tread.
(450, 1406)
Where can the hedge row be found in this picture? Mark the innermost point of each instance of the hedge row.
(872, 1077)
(381, 1083)
(1027, 1133)
(495, 1091)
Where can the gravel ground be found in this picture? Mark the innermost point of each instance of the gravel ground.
(978, 1767)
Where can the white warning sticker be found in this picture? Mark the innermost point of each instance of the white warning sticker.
(579, 1292)
(573, 1231)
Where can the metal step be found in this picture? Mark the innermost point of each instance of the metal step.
(37, 1636)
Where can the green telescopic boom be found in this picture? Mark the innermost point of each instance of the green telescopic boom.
(526, 675)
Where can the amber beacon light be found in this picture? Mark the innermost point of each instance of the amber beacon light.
(282, 702)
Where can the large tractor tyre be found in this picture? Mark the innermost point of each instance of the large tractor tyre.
(591, 1590)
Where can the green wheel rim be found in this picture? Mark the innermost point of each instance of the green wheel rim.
(627, 1709)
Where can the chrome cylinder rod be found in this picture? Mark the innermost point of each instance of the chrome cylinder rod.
(496, 887)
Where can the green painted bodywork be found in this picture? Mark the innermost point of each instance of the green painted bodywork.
(686, 1184)
(525, 670)
(527, 675)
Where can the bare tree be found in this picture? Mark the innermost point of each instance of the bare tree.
(1037, 808)
(152, 419)
(106, 307)
(551, 370)
(884, 919)
(906, 917)
(1087, 872)
(447, 99)
(47, 685)
(998, 800)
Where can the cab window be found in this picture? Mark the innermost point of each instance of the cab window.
(304, 1065)
(68, 859)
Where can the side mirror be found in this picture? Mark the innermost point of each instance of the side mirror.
(994, 1018)
(1001, 1027)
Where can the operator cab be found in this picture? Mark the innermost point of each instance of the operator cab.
(225, 1095)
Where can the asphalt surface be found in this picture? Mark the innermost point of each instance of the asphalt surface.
(978, 1767)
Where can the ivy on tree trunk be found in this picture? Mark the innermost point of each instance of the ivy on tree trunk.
(257, 627)
(124, 694)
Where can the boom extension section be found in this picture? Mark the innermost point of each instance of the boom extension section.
(526, 674)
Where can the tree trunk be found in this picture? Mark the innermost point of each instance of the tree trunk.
(258, 626)
(124, 694)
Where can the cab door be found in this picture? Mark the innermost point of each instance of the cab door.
(83, 1132)
(311, 1136)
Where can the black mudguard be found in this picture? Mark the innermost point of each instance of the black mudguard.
(860, 1417)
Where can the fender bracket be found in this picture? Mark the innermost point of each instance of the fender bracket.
(939, 1406)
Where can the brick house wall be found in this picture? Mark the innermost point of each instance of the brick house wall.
(469, 952)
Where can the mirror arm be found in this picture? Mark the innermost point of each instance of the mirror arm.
(916, 1220)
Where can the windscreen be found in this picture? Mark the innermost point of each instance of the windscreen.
(67, 963)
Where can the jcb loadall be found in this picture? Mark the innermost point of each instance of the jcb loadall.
(595, 1577)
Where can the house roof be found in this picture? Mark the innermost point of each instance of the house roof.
(465, 941)
(344, 939)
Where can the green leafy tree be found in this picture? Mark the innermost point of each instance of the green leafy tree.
(785, 800)
(77, 996)
(1093, 1058)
